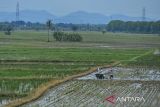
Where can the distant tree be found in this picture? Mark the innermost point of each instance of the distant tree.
(8, 30)
(49, 26)
(103, 31)
(134, 27)
(74, 28)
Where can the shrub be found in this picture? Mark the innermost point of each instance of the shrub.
(103, 31)
(8, 30)
(7, 33)
(70, 37)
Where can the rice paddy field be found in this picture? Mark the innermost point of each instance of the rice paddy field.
(28, 61)
(92, 93)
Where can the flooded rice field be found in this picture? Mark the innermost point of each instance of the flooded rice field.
(128, 87)
(120, 73)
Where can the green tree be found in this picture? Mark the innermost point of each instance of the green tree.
(134, 27)
(8, 30)
(103, 31)
(74, 28)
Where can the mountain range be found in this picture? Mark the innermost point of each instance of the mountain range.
(79, 17)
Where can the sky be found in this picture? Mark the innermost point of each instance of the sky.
(106, 7)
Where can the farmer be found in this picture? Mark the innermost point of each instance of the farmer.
(111, 76)
(98, 69)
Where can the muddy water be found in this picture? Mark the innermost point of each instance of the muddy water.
(120, 73)
(4, 101)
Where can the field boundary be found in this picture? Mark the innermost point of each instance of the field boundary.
(45, 87)
(146, 53)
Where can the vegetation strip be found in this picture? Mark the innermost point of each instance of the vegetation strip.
(42, 61)
(43, 88)
(12, 95)
(26, 78)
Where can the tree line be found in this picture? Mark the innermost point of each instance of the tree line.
(113, 26)
(134, 27)
(57, 26)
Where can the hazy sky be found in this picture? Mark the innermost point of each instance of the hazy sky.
(106, 7)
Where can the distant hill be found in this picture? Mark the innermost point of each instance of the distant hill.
(79, 17)
(36, 16)
(82, 17)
